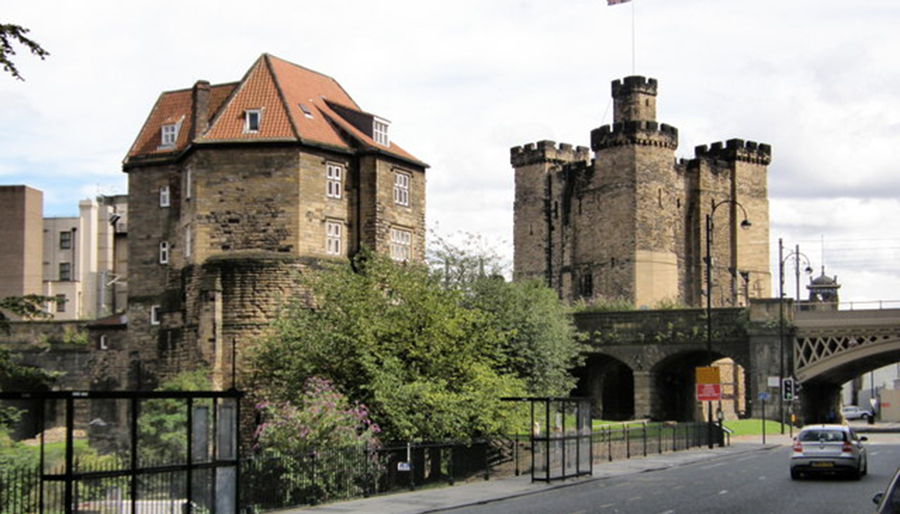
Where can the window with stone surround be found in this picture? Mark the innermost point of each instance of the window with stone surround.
(65, 240)
(401, 188)
(155, 315)
(334, 176)
(188, 241)
(163, 252)
(188, 182)
(333, 238)
(401, 244)
(252, 120)
(164, 196)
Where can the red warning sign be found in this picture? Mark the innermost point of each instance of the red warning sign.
(709, 392)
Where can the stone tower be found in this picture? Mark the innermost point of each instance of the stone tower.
(629, 224)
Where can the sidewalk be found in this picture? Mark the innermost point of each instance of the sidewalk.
(481, 492)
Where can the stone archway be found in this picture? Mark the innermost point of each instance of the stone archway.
(609, 382)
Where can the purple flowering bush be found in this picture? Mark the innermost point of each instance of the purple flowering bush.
(321, 417)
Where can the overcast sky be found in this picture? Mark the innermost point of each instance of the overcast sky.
(464, 81)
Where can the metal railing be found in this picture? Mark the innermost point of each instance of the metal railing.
(277, 481)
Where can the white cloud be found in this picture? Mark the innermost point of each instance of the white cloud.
(464, 81)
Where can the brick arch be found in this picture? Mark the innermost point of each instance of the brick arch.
(609, 382)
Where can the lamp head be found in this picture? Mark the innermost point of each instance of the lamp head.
(746, 224)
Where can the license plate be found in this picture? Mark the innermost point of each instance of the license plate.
(823, 464)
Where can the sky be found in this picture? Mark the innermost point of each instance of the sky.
(462, 82)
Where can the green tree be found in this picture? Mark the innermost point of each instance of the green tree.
(13, 375)
(539, 340)
(10, 34)
(391, 337)
(162, 423)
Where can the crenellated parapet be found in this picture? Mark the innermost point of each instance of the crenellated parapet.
(737, 150)
(633, 84)
(642, 133)
(547, 152)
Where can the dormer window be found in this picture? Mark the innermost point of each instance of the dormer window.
(169, 135)
(306, 111)
(380, 131)
(252, 119)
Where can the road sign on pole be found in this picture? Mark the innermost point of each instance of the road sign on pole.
(709, 387)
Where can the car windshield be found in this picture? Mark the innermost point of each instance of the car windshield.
(823, 435)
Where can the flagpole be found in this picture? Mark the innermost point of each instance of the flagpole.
(633, 58)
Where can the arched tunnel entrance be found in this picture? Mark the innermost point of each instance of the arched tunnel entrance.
(610, 383)
(820, 389)
(674, 384)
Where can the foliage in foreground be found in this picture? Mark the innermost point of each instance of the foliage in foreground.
(162, 424)
(391, 337)
(10, 34)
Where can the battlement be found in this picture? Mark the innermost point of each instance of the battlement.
(737, 150)
(643, 133)
(547, 151)
(633, 84)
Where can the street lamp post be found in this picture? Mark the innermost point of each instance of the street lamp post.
(782, 259)
(709, 232)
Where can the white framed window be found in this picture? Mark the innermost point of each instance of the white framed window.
(252, 120)
(163, 252)
(164, 196)
(401, 188)
(188, 182)
(155, 315)
(169, 135)
(333, 231)
(334, 178)
(380, 131)
(188, 241)
(103, 342)
(401, 244)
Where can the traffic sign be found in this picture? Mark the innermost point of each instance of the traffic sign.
(763, 396)
(708, 375)
(709, 392)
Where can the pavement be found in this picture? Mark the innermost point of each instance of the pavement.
(480, 492)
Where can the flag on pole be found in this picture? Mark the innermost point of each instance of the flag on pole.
(615, 2)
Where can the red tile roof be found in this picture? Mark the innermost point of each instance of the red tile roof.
(278, 89)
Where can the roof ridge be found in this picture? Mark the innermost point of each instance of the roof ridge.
(284, 104)
(234, 92)
(329, 77)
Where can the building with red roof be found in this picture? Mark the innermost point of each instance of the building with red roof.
(232, 188)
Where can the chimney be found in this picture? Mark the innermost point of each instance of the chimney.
(199, 108)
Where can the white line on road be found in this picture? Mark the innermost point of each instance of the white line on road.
(723, 491)
(668, 512)
(762, 477)
(714, 465)
(607, 505)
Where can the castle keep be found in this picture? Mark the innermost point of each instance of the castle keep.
(235, 187)
(629, 223)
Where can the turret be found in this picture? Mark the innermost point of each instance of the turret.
(634, 99)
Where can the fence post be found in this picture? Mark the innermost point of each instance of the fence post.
(659, 438)
(487, 460)
(675, 437)
(367, 486)
(516, 454)
(315, 496)
(609, 441)
(412, 468)
(645, 438)
(450, 464)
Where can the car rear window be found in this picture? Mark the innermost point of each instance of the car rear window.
(823, 435)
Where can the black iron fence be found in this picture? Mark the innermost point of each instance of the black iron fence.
(271, 482)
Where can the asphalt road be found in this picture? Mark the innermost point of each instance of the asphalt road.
(756, 483)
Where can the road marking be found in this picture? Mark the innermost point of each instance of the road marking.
(668, 512)
(723, 491)
(714, 465)
(607, 505)
(677, 487)
(579, 512)
(762, 477)
(636, 498)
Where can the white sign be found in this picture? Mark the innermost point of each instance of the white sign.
(403, 466)
(774, 382)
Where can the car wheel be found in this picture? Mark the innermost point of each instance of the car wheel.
(857, 473)
(865, 417)
(865, 470)
(795, 475)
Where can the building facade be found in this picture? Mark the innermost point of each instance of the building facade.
(629, 223)
(81, 261)
(233, 189)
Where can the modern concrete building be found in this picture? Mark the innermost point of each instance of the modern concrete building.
(81, 261)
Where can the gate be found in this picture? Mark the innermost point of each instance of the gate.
(125, 452)
(560, 438)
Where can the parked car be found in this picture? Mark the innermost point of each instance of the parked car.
(828, 449)
(889, 501)
(851, 412)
